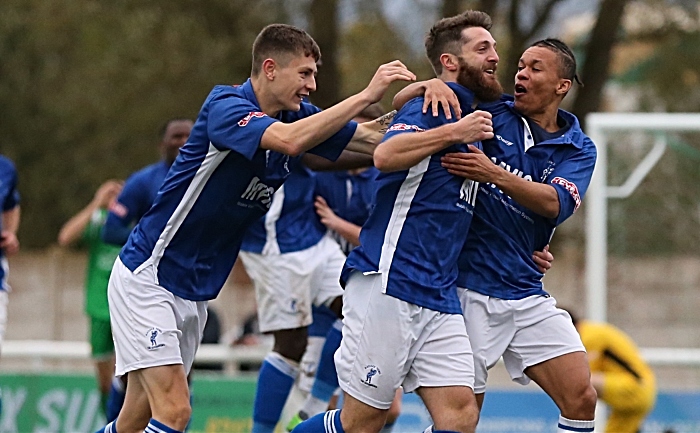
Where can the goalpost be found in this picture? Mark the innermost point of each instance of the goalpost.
(599, 127)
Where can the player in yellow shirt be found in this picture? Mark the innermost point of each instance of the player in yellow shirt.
(619, 374)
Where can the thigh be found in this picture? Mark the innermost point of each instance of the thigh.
(136, 411)
(442, 355)
(377, 338)
(325, 286)
(191, 317)
(282, 289)
(543, 332)
(166, 387)
(489, 324)
(143, 318)
(101, 343)
(451, 408)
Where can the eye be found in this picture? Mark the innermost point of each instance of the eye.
(520, 68)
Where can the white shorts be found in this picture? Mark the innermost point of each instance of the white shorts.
(4, 301)
(287, 284)
(525, 332)
(388, 343)
(150, 325)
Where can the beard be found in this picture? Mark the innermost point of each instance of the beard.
(472, 78)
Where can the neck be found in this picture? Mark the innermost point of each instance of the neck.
(546, 119)
(266, 99)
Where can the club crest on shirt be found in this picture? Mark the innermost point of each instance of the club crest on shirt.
(153, 335)
(370, 372)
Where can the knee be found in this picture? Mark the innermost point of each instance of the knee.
(462, 418)
(291, 344)
(179, 413)
(393, 413)
(581, 404)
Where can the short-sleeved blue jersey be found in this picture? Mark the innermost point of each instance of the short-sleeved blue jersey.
(9, 199)
(497, 257)
(419, 221)
(220, 183)
(349, 196)
(291, 224)
(137, 196)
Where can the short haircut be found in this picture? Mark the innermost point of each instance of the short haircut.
(567, 60)
(279, 41)
(164, 127)
(446, 35)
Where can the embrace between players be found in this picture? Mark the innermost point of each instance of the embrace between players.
(444, 281)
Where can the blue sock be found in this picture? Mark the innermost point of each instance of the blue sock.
(115, 401)
(158, 427)
(275, 380)
(328, 422)
(326, 376)
(111, 427)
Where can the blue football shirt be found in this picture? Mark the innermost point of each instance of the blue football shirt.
(291, 224)
(220, 183)
(419, 221)
(137, 196)
(9, 199)
(349, 196)
(497, 257)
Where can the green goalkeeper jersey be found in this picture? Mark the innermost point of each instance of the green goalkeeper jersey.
(100, 261)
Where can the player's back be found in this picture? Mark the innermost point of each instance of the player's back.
(497, 257)
(419, 220)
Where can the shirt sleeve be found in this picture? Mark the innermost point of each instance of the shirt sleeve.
(410, 118)
(571, 178)
(12, 199)
(236, 124)
(129, 207)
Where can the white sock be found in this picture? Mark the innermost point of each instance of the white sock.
(313, 406)
(569, 425)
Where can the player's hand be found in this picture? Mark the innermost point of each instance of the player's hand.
(438, 94)
(9, 242)
(325, 213)
(543, 259)
(474, 165)
(107, 193)
(474, 127)
(385, 75)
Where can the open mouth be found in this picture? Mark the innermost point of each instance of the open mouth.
(520, 90)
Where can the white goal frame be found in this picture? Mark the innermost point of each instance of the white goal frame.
(598, 126)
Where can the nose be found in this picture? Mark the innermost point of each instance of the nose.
(494, 56)
(521, 75)
(311, 84)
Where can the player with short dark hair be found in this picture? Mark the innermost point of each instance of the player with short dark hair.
(402, 318)
(242, 147)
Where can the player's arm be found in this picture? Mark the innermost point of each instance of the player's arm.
(300, 136)
(10, 224)
(131, 204)
(543, 259)
(436, 94)
(346, 229)
(540, 198)
(347, 160)
(403, 151)
(73, 229)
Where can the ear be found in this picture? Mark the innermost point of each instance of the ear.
(449, 62)
(563, 86)
(269, 68)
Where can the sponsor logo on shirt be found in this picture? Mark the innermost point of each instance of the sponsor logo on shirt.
(405, 127)
(503, 140)
(253, 114)
(370, 372)
(571, 187)
(258, 192)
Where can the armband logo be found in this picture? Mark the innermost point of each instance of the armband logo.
(571, 187)
(405, 127)
(244, 121)
(118, 209)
